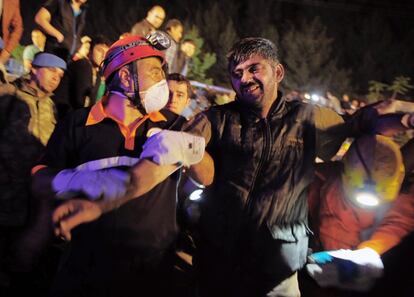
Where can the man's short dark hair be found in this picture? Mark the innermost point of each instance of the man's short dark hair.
(100, 39)
(247, 47)
(173, 23)
(181, 79)
(189, 40)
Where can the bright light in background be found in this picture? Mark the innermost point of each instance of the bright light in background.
(195, 195)
(315, 97)
(307, 96)
(367, 199)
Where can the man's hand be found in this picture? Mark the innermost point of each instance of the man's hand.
(73, 213)
(59, 37)
(107, 184)
(173, 147)
(346, 269)
(4, 56)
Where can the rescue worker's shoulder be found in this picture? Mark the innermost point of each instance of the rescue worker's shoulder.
(325, 118)
(199, 125)
(7, 89)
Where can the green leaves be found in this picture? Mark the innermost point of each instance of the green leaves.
(400, 86)
(201, 61)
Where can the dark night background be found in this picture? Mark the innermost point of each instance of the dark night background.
(333, 45)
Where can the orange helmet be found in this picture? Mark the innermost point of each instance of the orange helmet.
(132, 48)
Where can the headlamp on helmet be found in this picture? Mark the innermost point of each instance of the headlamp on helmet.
(159, 40)
(367, 196)
(373, 171)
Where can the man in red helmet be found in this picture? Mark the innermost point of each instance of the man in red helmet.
(125, 252)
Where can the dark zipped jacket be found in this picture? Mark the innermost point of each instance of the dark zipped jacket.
(256, 211)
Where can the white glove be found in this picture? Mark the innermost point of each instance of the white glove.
(106, 184)
(346, 269)
(174, 147)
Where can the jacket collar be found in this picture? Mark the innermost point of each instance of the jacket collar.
(277, 110)
(97, 114)
(25, 87)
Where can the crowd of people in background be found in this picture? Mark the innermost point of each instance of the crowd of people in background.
(121, 126)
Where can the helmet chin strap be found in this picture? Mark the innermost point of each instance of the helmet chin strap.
(134, 96)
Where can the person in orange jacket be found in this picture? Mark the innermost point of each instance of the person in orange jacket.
(354, 232)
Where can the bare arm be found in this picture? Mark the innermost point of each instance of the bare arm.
(203, 172)
(15, 35)
(382, 118)
(27, 64)
(332, 131)
(145, 175)
(390, 124)
(43, 18)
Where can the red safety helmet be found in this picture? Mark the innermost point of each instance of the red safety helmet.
(132, 48)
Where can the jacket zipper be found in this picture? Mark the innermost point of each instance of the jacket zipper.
(75, 37)
(263, 158)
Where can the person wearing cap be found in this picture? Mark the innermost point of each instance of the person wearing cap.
(27, 119)
(106, 152)
(358, 213)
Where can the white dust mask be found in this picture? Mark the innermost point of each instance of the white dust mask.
(156, 97)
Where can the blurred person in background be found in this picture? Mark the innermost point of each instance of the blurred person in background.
(185, 55)
(38, 45)
(175, 29)
(154, 19)
(334, 103)
(99, 47)
(63, 22)
(86, 83)
(355, 104)
(346, 105)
